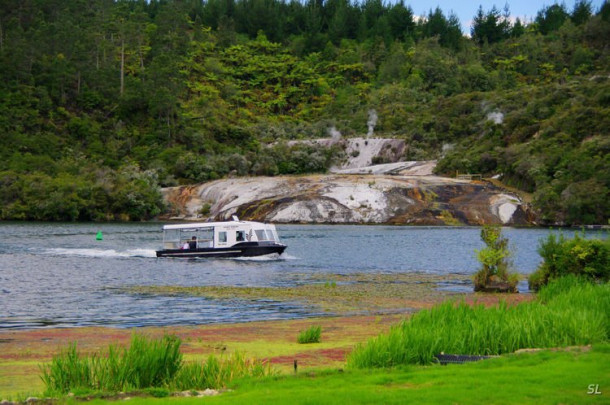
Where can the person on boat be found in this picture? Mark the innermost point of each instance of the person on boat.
(186, 245)
(193, 243)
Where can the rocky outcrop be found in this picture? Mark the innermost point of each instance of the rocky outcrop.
(372, 155)
(342, 198)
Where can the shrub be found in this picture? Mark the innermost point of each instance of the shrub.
(205, 209)
(495, 262)
(589, 258)
(310, 335)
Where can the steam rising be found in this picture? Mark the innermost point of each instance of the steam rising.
(497, 117)
(371, 122)
(334, 133)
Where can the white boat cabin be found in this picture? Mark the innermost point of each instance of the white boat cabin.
(217, 235)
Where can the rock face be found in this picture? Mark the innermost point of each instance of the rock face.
(344, 198)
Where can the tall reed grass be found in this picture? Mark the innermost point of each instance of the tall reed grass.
(147, 363)
(569, 312)
(218, 372)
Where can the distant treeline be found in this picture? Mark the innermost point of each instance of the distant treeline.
(102, 102)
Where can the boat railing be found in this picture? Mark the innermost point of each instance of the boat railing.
(200, 243)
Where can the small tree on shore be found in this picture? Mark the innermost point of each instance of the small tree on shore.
(495, 259)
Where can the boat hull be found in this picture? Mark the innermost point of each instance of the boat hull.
(247, 249)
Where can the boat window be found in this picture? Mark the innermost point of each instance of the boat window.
(260, 234)
(171, 235)
(240, 236)
(269, 234)
(222, 236)
(206, 234)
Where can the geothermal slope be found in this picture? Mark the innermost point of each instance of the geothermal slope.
(358, 192)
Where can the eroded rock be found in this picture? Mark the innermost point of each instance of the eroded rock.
(341, 198)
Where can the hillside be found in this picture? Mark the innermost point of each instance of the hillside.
(103, 105)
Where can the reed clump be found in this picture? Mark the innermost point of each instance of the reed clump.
(310, 335)
(216, 372)
(567, 312)
(146, 364)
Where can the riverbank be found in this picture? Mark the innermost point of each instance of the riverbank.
(22, 351)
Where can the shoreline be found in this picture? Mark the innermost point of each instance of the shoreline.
(23, 351)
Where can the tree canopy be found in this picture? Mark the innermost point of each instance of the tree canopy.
(102, 102)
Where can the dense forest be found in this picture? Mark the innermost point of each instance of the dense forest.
(103, 102)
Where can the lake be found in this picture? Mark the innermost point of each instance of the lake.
(59, 275)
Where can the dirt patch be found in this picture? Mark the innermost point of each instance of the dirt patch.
(313, 358)
(493, 299)
(275, 341)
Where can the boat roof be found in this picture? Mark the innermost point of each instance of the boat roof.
(197, 225)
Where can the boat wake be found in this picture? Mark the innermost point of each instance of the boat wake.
(265, 258)
(102, 252)
(262, 258)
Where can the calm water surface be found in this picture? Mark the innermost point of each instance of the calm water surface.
(58, 275)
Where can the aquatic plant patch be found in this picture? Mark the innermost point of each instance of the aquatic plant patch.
(335, 293)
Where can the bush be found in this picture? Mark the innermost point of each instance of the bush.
(589, 258)
(495, 262)
(311, 335)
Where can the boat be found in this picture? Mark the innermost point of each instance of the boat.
(220, 239)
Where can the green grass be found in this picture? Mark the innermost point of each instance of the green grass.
(310, 335)
(546, 377)
(570, 313)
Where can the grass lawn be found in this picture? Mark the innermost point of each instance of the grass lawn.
(543, 377)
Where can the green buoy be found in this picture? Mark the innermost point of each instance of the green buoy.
(99, 236)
